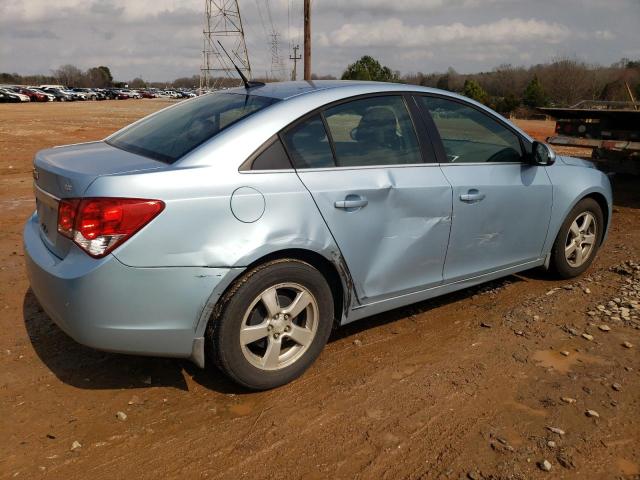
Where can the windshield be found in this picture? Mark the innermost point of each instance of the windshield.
(174, 132)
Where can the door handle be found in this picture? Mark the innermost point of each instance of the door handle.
(351, 201)
(472, 196)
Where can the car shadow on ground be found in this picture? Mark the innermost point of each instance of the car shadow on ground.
(626, 191)
(86, 368)
(420, 308)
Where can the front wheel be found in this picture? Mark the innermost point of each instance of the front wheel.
(579, 238)
(272, 324)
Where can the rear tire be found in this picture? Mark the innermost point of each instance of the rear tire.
(271, 325)
(578, 240)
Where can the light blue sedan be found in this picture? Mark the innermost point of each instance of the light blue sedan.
(240, 227)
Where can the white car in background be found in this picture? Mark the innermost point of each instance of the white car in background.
(131, 93)
(21, 96)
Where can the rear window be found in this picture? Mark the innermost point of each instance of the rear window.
(172, 133)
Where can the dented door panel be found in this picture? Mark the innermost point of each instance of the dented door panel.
(501, 215)
(391, 224)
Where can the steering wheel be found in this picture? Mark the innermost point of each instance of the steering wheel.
(506, 154)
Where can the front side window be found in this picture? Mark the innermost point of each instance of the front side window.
(373, 131)
(470, 136)
(172, 133)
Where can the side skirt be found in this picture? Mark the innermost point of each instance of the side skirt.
(400, 301)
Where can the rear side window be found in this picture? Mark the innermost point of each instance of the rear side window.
(273, 157)
(172, 133)
(308, 144)
(373, 131)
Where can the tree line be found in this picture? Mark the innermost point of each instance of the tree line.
(507, 88)
(562, 82)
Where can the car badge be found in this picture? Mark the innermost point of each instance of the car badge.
(68, 187)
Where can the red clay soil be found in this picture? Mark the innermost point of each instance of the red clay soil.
(420, 392)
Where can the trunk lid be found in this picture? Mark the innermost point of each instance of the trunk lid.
(67, 172)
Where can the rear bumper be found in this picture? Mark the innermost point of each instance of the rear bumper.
(109, 306)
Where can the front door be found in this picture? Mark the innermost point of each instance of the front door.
(501, 204)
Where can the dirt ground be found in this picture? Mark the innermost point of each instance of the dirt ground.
(465, 386)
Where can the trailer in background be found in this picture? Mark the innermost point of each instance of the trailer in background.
(610, 129)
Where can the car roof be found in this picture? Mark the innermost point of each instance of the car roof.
(287, 90)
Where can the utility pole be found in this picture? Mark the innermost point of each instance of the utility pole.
(307, 40)
(295, 57)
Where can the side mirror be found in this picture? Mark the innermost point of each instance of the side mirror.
(542, 154)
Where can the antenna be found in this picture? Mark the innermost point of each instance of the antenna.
(247, 83)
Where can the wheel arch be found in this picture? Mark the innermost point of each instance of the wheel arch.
(565, 199)
(334, 271)
(601, 200)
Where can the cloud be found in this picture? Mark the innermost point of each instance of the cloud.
(514, 30)
(32, 33)
(603, 35)
(162, 40)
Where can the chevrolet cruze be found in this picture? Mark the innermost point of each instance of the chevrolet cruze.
(238, 228)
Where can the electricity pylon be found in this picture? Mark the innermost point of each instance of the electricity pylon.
(277, 66)
(222, 21)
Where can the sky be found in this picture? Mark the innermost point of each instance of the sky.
(161, 40)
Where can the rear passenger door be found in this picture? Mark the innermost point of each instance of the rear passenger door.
(370, 170)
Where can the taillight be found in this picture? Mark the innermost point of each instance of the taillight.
(98, 225)
(66, 216)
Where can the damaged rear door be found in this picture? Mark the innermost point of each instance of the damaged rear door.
(363, 162)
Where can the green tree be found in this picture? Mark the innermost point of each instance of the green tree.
(443, 82)
(534, 95)
(106, 72)
(506, 105)
(99, 77)
(137, 83)
(368, 68)
(473, 90)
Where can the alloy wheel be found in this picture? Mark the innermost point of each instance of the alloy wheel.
(581, 239)
(279, 326)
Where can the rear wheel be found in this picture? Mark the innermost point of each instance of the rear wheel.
(272, 324)
(578, 240)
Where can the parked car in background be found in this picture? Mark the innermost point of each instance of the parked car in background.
(240, 227)
(50, 96)
(33, 95)
(130, 93)
(60, 95)
(21, 96)
(120, 95)
(75, 95)
(87, 92)
(6, 97)
(147, 94)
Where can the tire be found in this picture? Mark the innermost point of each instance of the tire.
(571, 255)
(280, 337)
